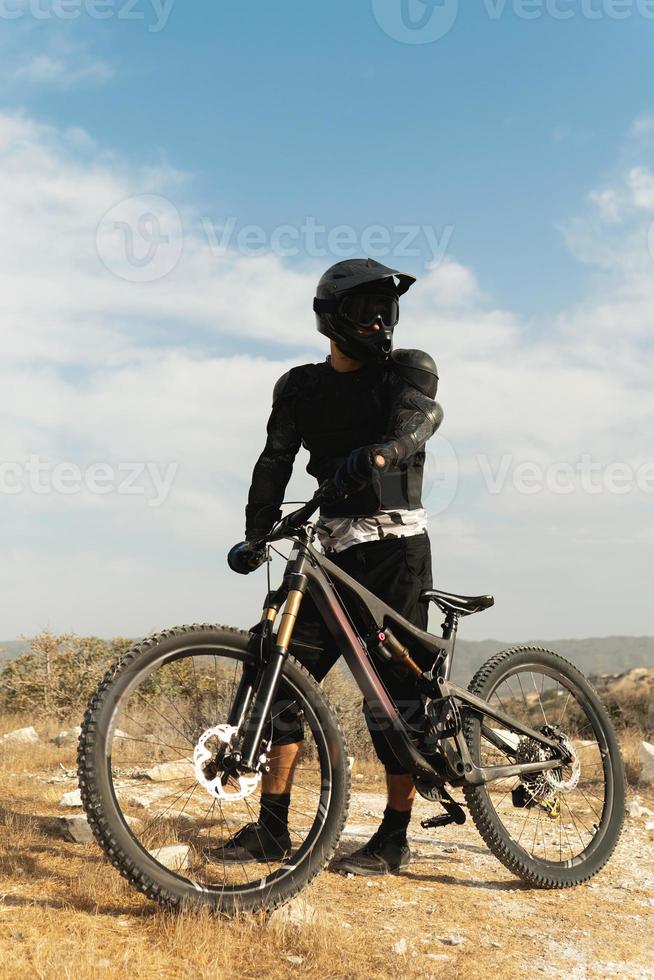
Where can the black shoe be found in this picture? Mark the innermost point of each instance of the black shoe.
(253, 843)
(382, 855)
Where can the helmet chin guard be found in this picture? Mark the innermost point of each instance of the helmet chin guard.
(351, 277)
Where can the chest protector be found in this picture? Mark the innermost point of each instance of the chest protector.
(336, 412)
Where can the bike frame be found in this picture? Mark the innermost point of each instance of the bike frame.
(307, 570)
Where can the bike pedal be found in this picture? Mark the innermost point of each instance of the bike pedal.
(441, 821)
(454, 814)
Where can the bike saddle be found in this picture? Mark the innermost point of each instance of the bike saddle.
(461, 604)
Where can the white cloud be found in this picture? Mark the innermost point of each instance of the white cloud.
(97, 368)
(641, 183)
(45, 69)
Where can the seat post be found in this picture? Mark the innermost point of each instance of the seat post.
(450, 626)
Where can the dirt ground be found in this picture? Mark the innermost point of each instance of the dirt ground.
(64, 912)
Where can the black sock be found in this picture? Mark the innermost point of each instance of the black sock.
(273, 813)
(395, 824)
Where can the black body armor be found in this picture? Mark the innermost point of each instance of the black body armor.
(332, 413)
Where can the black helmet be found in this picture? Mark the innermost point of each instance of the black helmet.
(357, 293)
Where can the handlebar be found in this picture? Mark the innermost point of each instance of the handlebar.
(296, 518)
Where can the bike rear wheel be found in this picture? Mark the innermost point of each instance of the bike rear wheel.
(557, 828)
(146, 795)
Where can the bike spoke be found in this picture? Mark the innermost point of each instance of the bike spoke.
(573, 793)
(165, 716)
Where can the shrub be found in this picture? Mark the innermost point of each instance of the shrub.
(58, 674)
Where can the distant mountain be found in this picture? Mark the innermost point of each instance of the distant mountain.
(9, 649)
(602, 655)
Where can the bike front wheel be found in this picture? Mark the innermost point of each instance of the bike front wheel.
(559, 827)
(153, 808)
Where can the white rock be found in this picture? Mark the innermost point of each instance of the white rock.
(72, 798)
(646, 756)
(140, 802)
(76, 829)
(649, 825)
(69, 737)
(174, 856)
(168, 771)
(350, 762)
(400, 947)
(453, 940)
(358, 777)
(20, 736)
(297, 912)
(295, 960)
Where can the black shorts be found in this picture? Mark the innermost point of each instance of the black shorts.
(397, 570)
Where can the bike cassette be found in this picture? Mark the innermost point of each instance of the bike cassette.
(218, 785)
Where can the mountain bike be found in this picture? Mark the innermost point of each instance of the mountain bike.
(180, 730)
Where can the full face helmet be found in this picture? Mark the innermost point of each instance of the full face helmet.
(360, 293)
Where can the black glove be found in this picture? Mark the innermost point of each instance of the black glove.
(356, 472)
(245, 557)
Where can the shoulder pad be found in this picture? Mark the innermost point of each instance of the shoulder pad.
(417, 368)
(282, 386)
(294, 381)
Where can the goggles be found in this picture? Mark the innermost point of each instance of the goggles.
(362, 309)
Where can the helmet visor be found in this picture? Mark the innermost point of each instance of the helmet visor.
(364, 309)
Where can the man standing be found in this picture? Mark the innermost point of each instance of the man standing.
(364, 414)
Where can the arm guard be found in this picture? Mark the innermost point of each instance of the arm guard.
(413, 418)
(273, 469)
(415, 415)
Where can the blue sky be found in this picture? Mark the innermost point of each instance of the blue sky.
(284, 110)
(525, 147)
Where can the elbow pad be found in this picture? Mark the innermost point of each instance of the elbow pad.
(420, 419)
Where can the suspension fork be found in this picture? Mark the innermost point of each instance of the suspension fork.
(295, 583)
(247, 684)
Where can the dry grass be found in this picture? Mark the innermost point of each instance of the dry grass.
(64, 912)
(630, 747)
